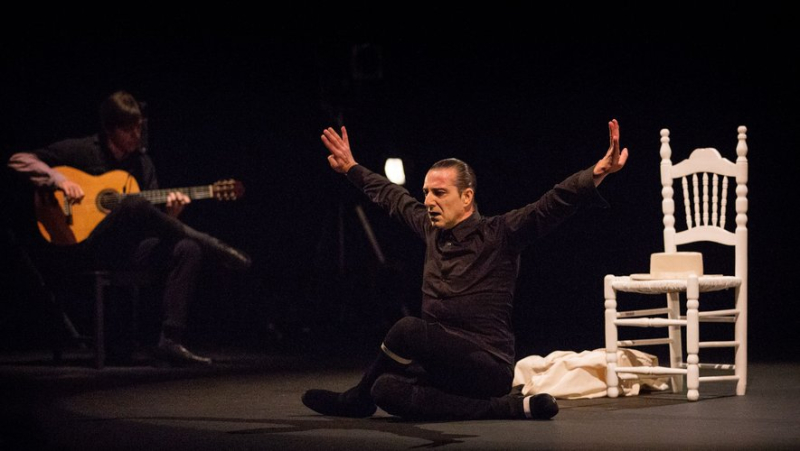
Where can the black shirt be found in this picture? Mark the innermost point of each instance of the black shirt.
(470, 271)
(91, 155)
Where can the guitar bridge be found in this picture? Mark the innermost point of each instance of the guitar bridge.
(67, 211)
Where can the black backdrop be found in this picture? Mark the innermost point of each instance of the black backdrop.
(523, 112)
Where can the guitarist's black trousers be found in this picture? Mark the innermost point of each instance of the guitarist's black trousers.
(138, 234)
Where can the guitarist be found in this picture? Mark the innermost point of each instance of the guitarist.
(136, 233)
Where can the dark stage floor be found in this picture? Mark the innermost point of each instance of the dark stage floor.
(252, 401)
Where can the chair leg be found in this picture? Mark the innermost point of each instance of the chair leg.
(692, 339)
(55, 316)
(136, 294)
(99, 321)
(63, 331)
(676, 343)
(612, 380)
(740, 333)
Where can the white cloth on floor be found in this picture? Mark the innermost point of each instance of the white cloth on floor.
(576, 375)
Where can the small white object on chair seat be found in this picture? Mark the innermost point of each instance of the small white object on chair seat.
(672, 265)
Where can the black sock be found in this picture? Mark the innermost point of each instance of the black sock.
(382, 364)
(537, 407)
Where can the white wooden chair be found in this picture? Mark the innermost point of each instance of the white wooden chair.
(707, 181)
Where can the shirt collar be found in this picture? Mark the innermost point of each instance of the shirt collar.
(465, 227)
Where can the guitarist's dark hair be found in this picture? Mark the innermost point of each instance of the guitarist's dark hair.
(120, 109)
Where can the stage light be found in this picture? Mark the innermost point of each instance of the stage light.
(394, 170)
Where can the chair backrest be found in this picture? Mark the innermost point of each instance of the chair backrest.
(706, 182)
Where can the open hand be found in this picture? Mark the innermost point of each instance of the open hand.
(614, 159)
(341, 158)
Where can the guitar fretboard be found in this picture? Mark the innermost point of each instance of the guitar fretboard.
(159, 196)
(108, 200)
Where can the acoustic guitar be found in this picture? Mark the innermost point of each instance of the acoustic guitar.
(63, 223)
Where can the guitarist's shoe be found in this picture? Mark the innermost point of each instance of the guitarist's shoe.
(175, 353)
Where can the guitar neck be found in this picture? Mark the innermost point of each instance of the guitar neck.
(159, 196)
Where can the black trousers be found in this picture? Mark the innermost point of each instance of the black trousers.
(139, 235)
(449, 378)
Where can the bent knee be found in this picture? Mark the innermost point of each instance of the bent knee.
(187, 249)
(397, 339)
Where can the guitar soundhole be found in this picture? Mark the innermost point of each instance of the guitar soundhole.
(107, 200)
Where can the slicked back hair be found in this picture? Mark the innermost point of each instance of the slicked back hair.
(465, 175)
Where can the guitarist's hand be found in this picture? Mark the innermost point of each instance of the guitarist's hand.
(176, 202)
(73, 192)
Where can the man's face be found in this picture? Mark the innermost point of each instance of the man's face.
(125, 140)
(446, 207)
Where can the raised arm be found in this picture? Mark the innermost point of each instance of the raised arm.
(393, 198)
(341, 158)
(614, 160)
